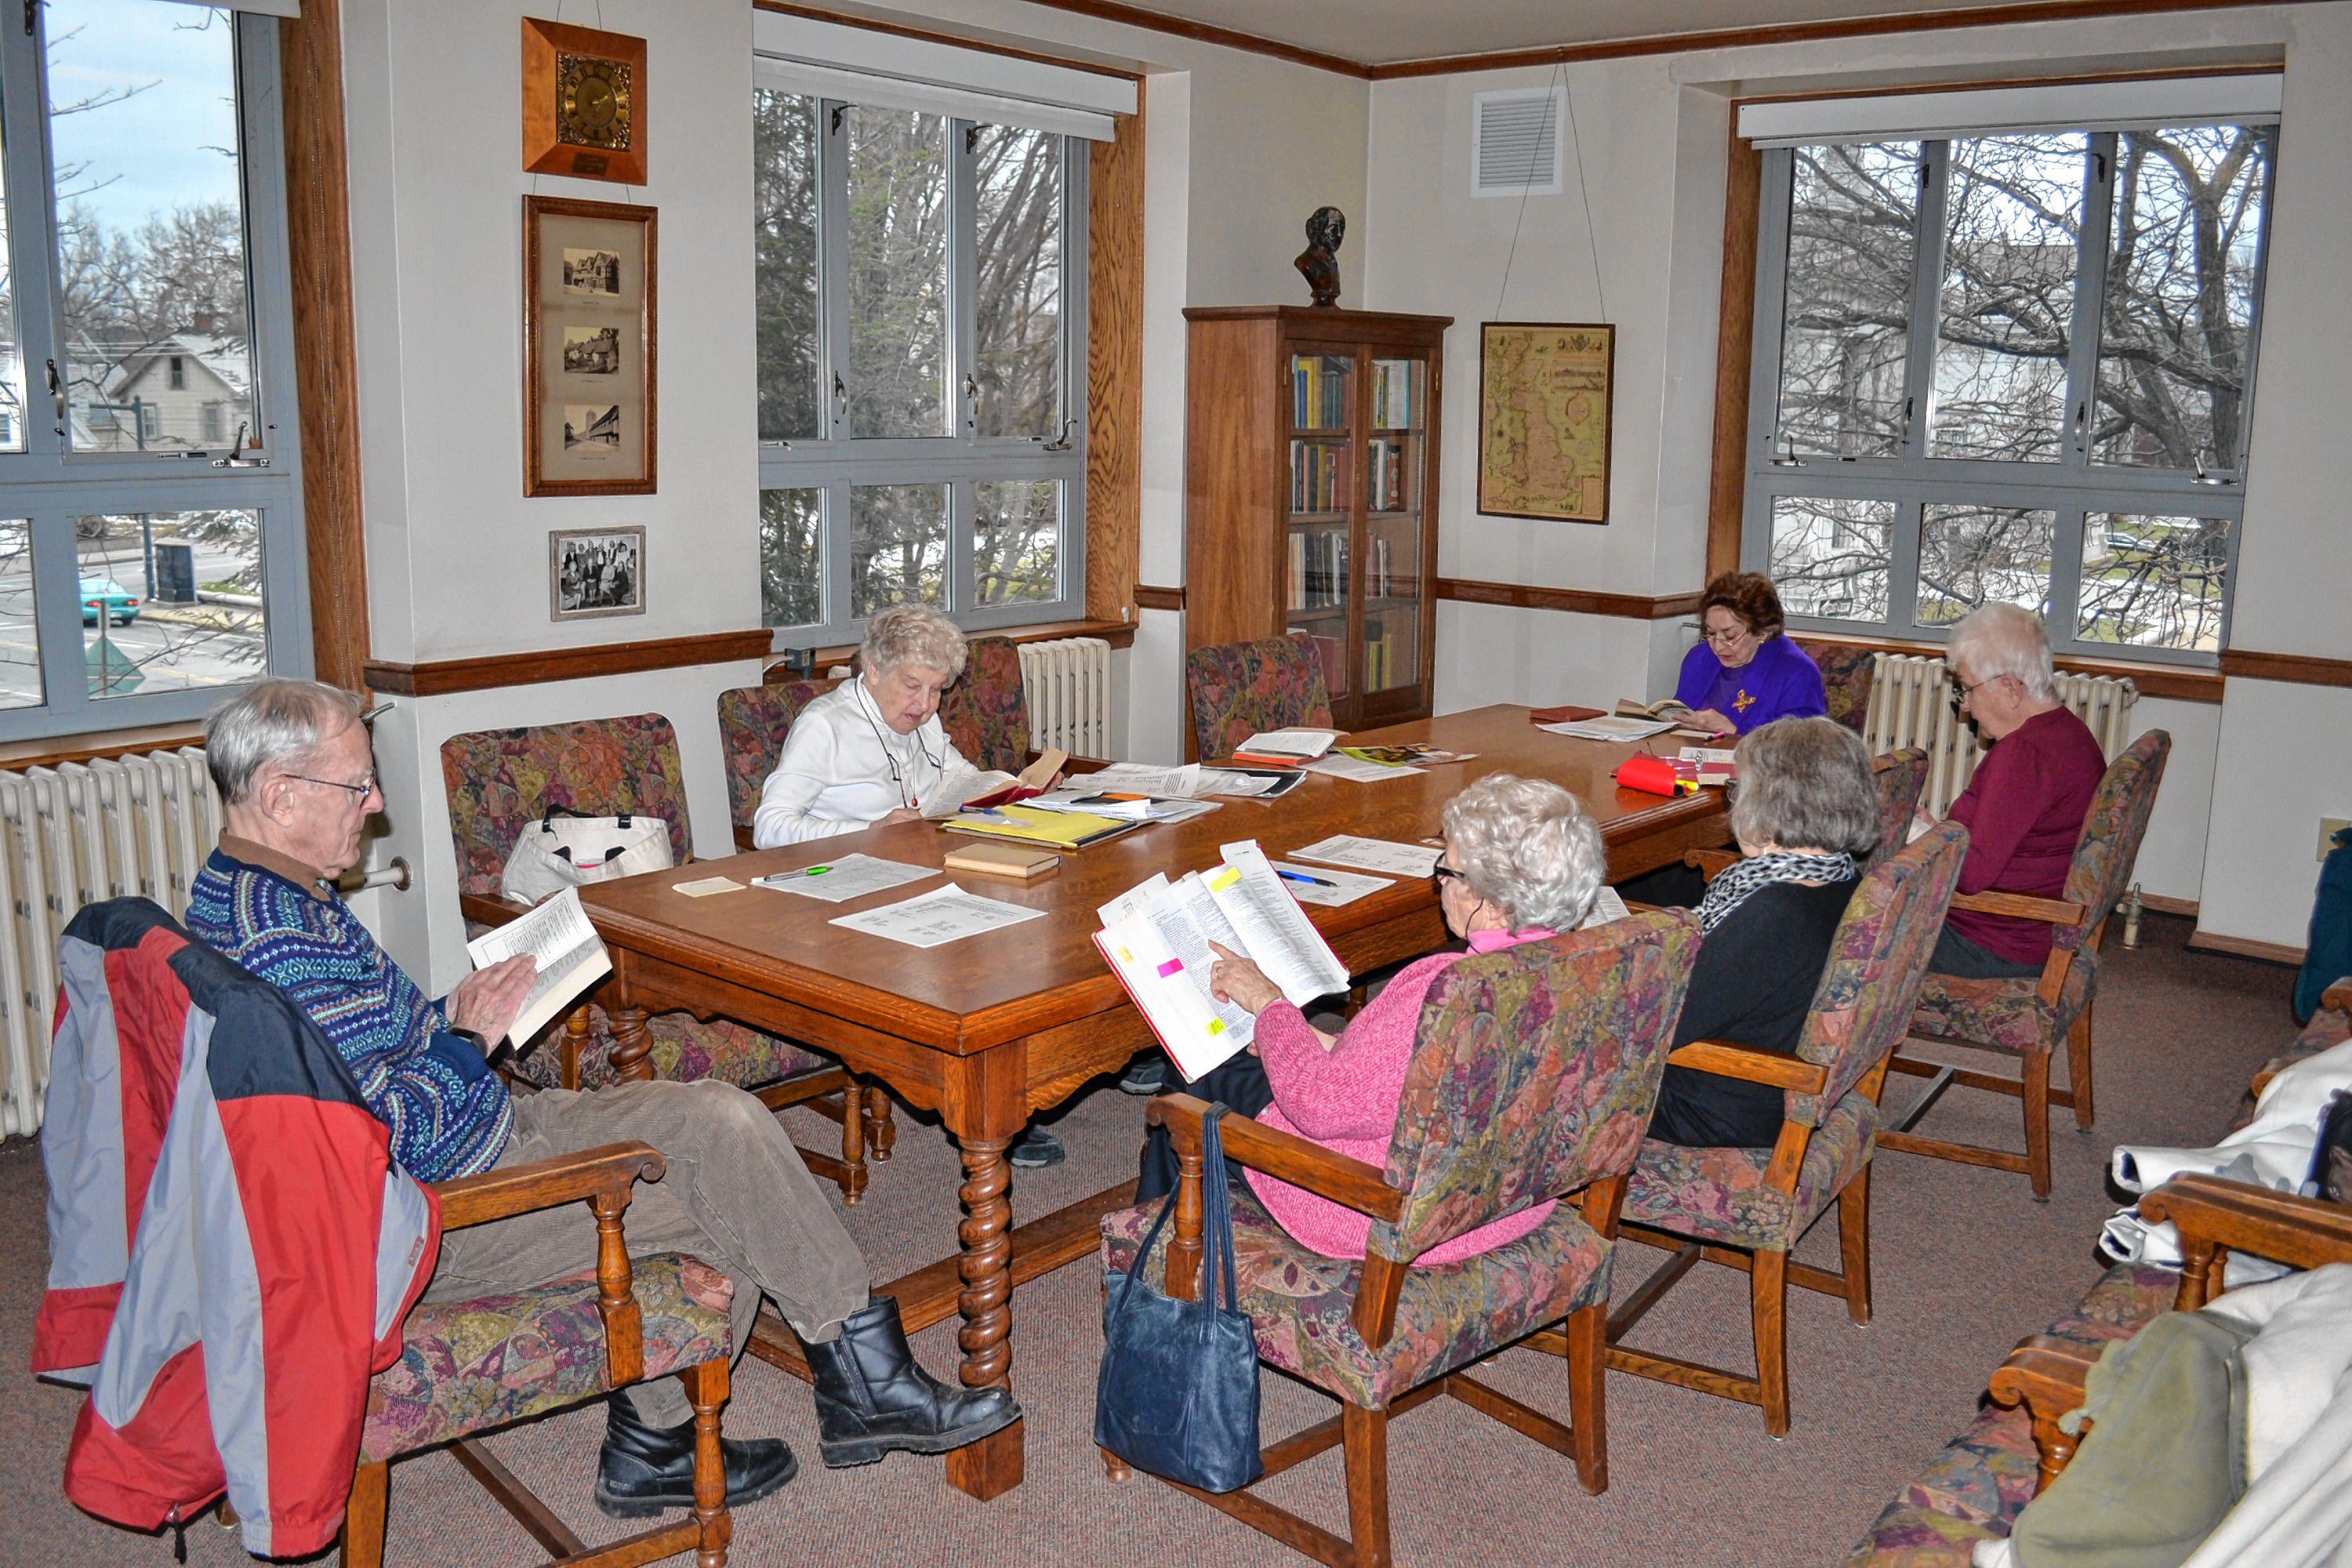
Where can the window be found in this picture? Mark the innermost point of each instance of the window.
(144, 316)
(920, 350)
(2010, 367)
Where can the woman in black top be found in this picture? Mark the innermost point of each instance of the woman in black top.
(1806, 808)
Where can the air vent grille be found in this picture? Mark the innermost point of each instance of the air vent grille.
(1518, 150)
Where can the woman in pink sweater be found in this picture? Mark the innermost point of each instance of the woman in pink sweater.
(1522, 861)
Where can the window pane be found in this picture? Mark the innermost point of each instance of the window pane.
(1017, 307)
(1852, 244)
(2014, 217)
(1016, 541)
(898, 546)
(1972, 556)
(2181, 296)
(151, 224)
(2154, 582)
(898, 272)
(784, 243)
(20, 648)
(1829, 557)
(171, 600)
(792, 557)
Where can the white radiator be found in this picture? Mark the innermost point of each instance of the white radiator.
(1067, 684)
(70, 835)
(1911, 705)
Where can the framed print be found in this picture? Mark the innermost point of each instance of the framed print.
(1544, 421)
(584, 102)
(588, 337)
(593, 571)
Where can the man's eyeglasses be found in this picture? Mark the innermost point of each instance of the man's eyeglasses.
(363, 789)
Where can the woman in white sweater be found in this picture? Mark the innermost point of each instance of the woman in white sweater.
(871, 751)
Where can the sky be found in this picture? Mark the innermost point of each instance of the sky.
(156, 150)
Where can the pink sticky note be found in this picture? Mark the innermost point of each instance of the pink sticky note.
(1170, 967)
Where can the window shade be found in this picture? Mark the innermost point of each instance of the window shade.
(289, 9)
(2249, 98)
(799, 54)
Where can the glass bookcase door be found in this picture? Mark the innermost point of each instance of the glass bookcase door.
(1395, 530)
(1319, 530)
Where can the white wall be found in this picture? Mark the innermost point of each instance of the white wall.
(1654, 131)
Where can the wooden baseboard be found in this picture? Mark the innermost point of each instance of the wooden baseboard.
(2247, 947)
(2185, 908)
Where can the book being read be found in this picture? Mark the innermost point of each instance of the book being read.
(968, 788)
(571, 955)
(1156, 940)
(1285, 748)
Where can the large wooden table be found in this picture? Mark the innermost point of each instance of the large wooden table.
(991, 1029)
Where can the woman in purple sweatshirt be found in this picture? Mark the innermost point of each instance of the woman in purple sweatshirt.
(2025, 806)
(1744, 673)
(1522, 861)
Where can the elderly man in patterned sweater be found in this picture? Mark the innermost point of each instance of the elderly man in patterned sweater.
(297, 786)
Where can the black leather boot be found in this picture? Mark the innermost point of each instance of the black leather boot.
(645, 1469)
(872, 1399)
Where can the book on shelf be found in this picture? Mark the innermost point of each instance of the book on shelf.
(1156, 940)
(1318, 395)
(1318, 568)
(1392, 393)
(570, 958)
(1318, 477)
(1380, 663)
(1379, 582)
(1384, 462)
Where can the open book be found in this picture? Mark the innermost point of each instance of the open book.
(969, 787)
(1284, 748)
(572, 957)
(1156, 940)
(1663, 707)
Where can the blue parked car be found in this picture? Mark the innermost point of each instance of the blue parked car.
(119, 604)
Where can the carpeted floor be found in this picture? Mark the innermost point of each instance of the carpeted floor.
(1965, 1263)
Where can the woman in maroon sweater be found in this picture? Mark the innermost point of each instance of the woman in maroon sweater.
(2025, 806)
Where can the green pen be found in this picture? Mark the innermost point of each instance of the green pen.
(770, 881)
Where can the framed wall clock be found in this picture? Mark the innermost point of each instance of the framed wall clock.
(584, 102)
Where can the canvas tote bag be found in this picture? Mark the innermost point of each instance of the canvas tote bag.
(565, 850)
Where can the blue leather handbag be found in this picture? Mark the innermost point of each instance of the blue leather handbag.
(1176, 1395)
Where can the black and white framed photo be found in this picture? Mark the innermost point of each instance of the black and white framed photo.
(594, 572)
(588, 324)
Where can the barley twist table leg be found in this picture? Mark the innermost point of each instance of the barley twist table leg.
(632, 1042)
(985, 1267)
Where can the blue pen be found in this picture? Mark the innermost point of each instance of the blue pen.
(1303, 877)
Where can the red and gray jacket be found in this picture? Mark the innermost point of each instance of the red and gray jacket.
(231, 1247)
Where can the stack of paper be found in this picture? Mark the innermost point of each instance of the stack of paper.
(1372, 855)
(1343, 766)
(1156, 939)
(1610, 728)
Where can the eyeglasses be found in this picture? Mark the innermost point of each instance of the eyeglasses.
(1727, 637)
(1960, 692)
(1439, 875)
(363, 789)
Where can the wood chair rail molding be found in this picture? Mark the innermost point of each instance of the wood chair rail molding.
(1575, 601)
(2296, 668)
(441, 676)
(1119, 633)
(1148, 597)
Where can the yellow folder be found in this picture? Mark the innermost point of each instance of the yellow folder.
(1027, 825)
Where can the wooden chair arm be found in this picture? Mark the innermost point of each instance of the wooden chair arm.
(603, 1175)
(1353, 1182)
(1710, 863)
(743, 844)
(2337, 998)
(609, 1168)
(2045, 1376)
(2023, 906)
(1752, 1065)
(2215, 1216)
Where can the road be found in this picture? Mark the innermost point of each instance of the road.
(173, 647)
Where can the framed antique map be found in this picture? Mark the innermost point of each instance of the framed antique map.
(1544, 391)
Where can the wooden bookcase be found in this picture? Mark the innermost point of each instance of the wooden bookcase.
(1310, 489)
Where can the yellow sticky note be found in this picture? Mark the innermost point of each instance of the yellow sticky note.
(1216, 1026)
(706, 886)
(1223, 880)
(1125, 955)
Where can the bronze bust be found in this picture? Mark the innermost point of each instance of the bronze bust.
(1320, 262)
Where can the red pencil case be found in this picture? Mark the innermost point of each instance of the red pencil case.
(1653, 776)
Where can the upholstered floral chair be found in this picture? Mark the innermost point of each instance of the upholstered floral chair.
(752, 723)
(986, 712)
(1240, 689)
(2028, 1019)
(1750, 1205)
(498, 780)
(1901, 777)
(467, 1367)
(1846, 677)
(1535, 1073)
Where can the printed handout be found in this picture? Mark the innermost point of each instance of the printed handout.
(1322, 886)
(1338, 766)
(942, 915)
(1372, 855)
(850, 877)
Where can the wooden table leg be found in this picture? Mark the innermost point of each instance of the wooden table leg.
(986, 1109)
(632, 1043)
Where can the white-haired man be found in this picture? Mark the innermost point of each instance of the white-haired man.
(2025, 806)
(297, 785)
